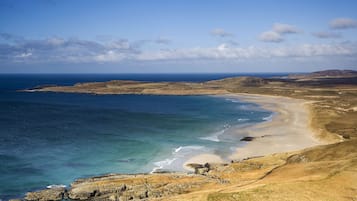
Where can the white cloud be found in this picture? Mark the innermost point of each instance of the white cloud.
(271, 36)
(83, 51)
(109, 56)
(326, 35)
(285, 28)
(223, 51)
(221, 33)
(343, 23)
(277, 31)
(24, 55)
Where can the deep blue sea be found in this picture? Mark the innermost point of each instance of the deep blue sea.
(54, 138)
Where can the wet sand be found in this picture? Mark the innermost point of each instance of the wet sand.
(288, 130)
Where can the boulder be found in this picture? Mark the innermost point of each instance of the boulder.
(247, 139)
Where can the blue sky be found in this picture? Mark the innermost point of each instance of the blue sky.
(156, 36)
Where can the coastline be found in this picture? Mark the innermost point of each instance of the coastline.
(288, 130)
(304, 162)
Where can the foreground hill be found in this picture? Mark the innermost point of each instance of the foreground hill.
(326, 172)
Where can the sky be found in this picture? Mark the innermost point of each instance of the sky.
(177, 36)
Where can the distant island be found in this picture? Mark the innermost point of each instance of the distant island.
(324, 103)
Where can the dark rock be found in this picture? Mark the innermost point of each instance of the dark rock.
(346, 136)
(247, 139)
(215, 166)
(195, 165)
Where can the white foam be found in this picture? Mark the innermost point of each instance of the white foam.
(56, 186)
(161, 164)
(178, 149)
(268, 118)
(215, 136)
(242, 119)
(155, 170)
(167, 161)
(233, 100)
(178, 154)
(249, 107)
(185, 149)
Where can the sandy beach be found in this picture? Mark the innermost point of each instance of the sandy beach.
(288, 130)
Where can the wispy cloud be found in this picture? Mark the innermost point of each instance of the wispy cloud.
(277, 31)
(162, 40)
(271, 36)
(326, 35)
(343, 23)
(285, 28)
(221, 33)
(24, 55)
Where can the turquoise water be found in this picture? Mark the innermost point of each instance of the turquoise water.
(54, 138)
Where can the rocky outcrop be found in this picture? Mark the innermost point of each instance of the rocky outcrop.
(135, 187)
(204, 169)
(48, 194)
(119, 187)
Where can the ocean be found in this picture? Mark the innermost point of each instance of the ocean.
(55, 138)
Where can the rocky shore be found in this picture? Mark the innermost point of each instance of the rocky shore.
(328, 171)
(132, 187)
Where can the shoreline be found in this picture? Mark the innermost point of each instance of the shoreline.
(320, 166)
(288, 130)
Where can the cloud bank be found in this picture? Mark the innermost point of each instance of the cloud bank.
(224, 51)
(84, 51)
